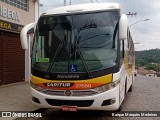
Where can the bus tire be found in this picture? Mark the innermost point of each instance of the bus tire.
(135, 74)
(120, 108)
(130, 89)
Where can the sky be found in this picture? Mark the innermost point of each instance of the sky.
(145, 34)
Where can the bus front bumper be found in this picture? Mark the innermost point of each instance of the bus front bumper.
(108, 100)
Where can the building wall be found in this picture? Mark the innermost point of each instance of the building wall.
(12, 56)
(25, 17)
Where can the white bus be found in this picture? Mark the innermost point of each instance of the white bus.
(82, 57)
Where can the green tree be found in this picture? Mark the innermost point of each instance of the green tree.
(152, 67)
(146, 57)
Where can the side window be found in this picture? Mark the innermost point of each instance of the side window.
(129, 48)
(128, 39)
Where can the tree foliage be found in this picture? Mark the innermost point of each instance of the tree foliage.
(147, 58)
(152, 67)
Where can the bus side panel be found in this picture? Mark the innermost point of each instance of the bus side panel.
(122, 83)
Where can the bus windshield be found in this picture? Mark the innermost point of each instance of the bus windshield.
(76, 43)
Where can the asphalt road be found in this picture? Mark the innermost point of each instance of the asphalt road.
(144, 97)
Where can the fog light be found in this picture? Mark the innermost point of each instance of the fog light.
(36, 100)
(112, 101)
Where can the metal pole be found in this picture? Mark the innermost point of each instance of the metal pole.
(64, 2)
(38, 8)
(91, 1)
(97, 1)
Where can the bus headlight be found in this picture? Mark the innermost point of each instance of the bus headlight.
(106, 87)
(38, 88)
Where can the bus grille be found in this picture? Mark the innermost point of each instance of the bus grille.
(73, 92)
(78, 103)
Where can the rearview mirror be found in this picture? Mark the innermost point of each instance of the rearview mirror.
(123, 23)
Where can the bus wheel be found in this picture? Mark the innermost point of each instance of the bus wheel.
(120, 107)
(130, 89)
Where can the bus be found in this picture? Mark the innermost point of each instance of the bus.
(82, 57)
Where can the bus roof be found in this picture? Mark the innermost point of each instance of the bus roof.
(78, 8)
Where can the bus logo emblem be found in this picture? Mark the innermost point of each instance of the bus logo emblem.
(68, 93)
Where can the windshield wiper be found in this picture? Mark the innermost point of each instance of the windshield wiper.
(82, 58)
(51, 65)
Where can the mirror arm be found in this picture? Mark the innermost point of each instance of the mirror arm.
(23, 35)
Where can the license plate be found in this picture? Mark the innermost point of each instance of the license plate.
(69, 108)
